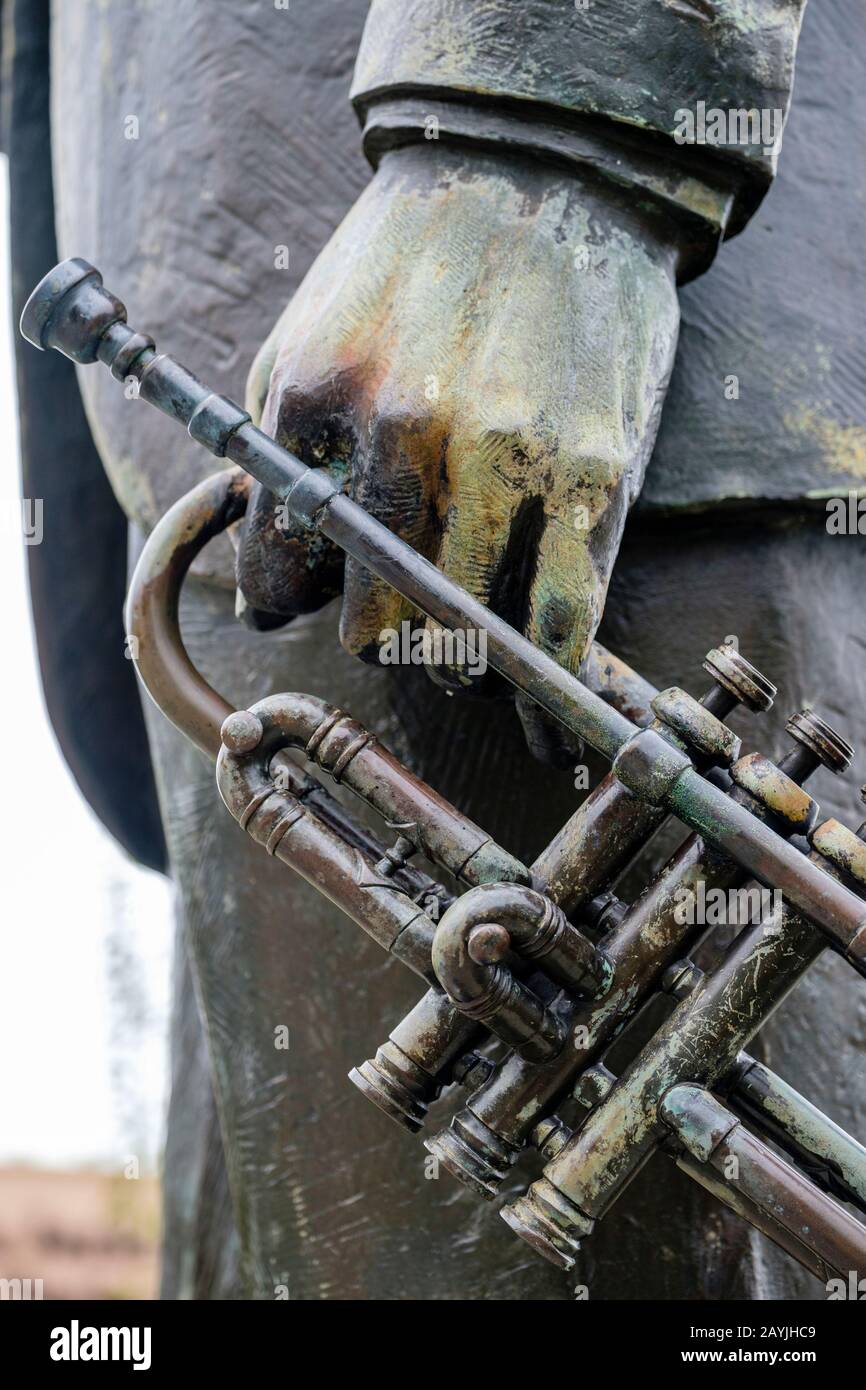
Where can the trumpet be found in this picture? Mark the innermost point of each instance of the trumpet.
(530, 971)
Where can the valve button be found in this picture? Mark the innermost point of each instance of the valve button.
(816, 734)
(730, 669)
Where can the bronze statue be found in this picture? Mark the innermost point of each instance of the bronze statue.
(504, 958)
(481, 354)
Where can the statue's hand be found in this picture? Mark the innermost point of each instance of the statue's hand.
(483, 348)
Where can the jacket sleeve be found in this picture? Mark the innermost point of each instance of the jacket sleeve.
(674, 98)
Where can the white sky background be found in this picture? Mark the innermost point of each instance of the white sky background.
(85, 934)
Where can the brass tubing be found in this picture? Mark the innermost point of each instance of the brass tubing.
(598, 841)
(833, 1159)
(619, 685)
(163, 663)
(594, 845)
(802, 879)
(350, 754)
(470, 952)
(640, 949)
(646, 941)
(293, 834)
(833, 1241)
(408, 1070)
(737, 1202)
(152, 606)
(187, 699)
(402, 1082)
(699, 1042)
(768, 1194)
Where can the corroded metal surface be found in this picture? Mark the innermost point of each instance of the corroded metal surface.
(696, 725)
(844, 850)
(832, 1159)
(757, 775)
(485, 1138)
(831, 1241)
(505, 959)
(470, 953)
(350, 755)
(152, 607)
(614, 680)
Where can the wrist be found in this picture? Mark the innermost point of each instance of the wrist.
(688, 213)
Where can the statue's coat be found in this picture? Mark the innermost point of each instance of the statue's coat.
(246, 143)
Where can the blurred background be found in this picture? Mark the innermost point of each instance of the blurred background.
(85, 944)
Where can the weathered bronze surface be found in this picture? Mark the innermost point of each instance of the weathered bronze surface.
(504, 958)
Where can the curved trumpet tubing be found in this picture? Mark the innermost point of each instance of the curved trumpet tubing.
(470, 958)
